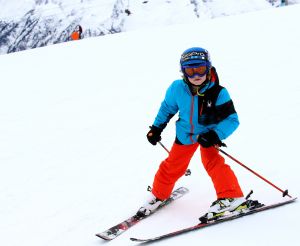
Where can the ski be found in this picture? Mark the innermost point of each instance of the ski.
(214, 222)
(118, 229)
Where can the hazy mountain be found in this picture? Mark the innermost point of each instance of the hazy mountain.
(36, 23)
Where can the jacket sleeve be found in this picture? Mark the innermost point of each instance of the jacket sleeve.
(228, 125)
(167, 109)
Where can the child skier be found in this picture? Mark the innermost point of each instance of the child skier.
(206, 116)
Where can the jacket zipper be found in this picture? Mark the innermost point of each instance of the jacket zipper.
(191, 120)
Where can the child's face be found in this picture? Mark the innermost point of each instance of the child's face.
(198, 80)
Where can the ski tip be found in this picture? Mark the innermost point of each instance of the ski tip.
(137, 240)
(292, 199)
(103, 237)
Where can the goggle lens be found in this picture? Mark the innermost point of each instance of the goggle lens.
(191, 71)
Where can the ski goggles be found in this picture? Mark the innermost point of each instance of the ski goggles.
(193, 71)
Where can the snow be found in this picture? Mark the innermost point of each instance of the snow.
(175, 10)
(52, 7)
(74, 159)
(38, 23)
(91, 12)
(162, 12)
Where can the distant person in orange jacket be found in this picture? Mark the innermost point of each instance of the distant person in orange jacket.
(76, 35)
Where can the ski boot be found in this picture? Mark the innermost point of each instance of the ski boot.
(229, 206)
(149, 207)
(223, 207)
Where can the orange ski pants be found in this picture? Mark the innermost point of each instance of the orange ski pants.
(172, 168)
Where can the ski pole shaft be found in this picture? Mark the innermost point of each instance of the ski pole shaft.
(188, 171)
(284, 193)
(164, 147)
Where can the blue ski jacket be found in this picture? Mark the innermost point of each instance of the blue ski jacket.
(213, 109)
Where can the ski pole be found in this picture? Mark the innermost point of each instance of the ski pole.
(284, 193)
(164, 147)
(188, 171)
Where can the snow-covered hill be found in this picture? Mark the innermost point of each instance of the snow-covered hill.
(74, 158)
(37, 23)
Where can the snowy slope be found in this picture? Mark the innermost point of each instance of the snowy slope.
(149, 14)
(37, 23)
(73, 117)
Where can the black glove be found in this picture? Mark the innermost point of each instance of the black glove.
(209, 139)
(154, 135)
